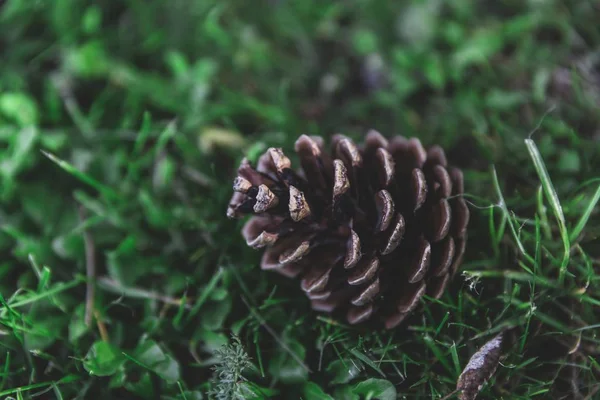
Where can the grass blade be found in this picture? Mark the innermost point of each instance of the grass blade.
(205, 293)
(507, 216)
(85, 178)
(586, 216)
(552, 197)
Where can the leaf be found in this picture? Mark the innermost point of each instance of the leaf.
(365, 41)
(211, 341)
(103, 359)
(418, 23)
(19, 156)
(250, 391)
(19, 107)
(46, 325)
(141, 387)
(190, 395)
(158, 361)
(287, 368)
(569, 161)
(345, 393)
(89, 60)
(480, 368)
(343, 371)
(77, 326)
(478, 49)
(213, 317)
(504, 100)
(380, 389)
(312, 391)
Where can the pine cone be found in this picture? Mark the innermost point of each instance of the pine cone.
(370, 230)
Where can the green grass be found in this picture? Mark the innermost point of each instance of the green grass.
(121, 126)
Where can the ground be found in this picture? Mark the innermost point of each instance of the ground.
(122, 124)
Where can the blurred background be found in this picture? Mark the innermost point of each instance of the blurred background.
(122, 124)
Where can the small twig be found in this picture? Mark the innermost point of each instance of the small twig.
(270, 330)
(137, 293)
(101, 327)
(90, 268)
(450, 395)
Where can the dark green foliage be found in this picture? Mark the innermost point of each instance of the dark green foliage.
(122, 123)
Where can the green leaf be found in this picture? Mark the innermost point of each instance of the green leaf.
(434, 71)
(92, 19)
(77, 326)
(187, 395)
(69, 246)
(211, 341)
(143, 387)
(46, 324)
(251, 391)
(103, 359)
(419, 22)
(569, 161)
(19, 107)
(364, 41)
(177, 63)
(89, 60)
(19, 155)
(504, 100)
(152, 356)
(343, 371)
(118, 379)
(286, 367)
(478, 49)
(215, 313)
(312, 391)
(156, 216)
(122, 263)
(345, 393)
(379, 389)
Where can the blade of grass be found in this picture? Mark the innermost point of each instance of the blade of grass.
(365, 359)
(181, 391)
(6, 370)
(514, 275)
(439, 355)
(205, 293)
(554, 202)
(57, 391)
(85, 178)
(66, 379)
(258, 354)
(59, 287)
(143, 135)
(585, 216)
(507, 216)
(275, 336)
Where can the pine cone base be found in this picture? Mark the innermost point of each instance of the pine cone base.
(369, 230)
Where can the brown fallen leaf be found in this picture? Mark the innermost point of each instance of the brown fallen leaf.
(480, 369)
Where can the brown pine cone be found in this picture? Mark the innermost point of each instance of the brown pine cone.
(370, 230)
